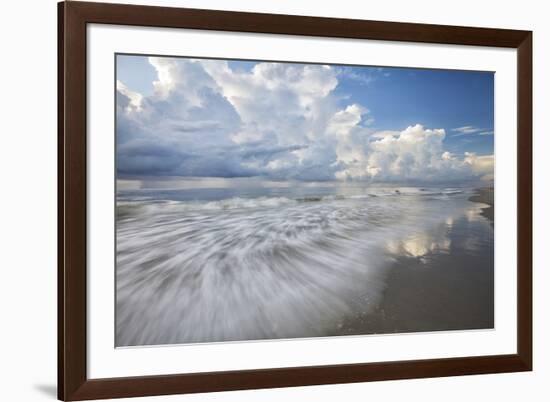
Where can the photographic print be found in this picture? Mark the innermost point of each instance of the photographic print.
(261, 200)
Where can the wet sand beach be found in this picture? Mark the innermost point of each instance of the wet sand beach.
(486, 196)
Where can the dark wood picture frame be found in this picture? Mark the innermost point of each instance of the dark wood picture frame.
(73, 383)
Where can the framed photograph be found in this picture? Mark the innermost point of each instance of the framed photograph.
(253, 200)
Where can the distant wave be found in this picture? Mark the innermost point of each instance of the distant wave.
(126, 206)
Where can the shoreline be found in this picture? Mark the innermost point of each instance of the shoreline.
(486, 196)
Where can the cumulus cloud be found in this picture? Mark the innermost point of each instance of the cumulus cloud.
(482, 166)
(417, 154)
(129, 100)
(277, 120)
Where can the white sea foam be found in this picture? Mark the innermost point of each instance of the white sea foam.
(268, 267)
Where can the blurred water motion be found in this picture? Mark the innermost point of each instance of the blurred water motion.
(211, 266)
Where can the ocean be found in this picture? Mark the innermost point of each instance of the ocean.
(278, 260)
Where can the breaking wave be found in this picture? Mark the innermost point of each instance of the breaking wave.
(126, 206)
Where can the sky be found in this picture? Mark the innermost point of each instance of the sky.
(182, 117)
